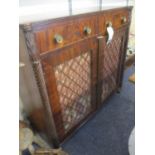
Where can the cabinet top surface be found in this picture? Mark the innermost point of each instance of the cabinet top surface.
(44, 19)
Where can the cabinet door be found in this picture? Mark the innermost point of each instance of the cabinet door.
(70, 76)
(111, 58)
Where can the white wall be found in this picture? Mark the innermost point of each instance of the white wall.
(34, 10)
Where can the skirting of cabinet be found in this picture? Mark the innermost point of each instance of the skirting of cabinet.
(75, 69)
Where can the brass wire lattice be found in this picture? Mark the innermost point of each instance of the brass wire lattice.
(110, 66)
(73, 79)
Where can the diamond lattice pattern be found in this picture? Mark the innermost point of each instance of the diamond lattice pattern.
(73, 79)
(110, 67)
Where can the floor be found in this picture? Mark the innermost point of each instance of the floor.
(108, 131)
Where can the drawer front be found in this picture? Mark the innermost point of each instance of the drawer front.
(117, 18)
(64, 33)
(121, 18)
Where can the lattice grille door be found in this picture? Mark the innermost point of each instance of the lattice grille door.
(70, 75)
(110, 60)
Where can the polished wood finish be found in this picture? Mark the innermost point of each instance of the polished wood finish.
(79, 53)
(70, 30)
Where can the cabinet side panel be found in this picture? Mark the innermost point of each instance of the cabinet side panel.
(28, 89)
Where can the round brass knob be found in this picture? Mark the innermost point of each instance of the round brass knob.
(87, 30)
(109, 23)
(58, 38)
(123, 19)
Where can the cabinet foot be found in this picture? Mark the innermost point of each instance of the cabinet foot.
(118, 90)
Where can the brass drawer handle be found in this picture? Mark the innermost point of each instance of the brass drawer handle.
(87, 30)
(109, 23)
(58, 38)
(123, 20)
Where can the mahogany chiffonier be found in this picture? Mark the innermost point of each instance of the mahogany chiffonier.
(72, 69)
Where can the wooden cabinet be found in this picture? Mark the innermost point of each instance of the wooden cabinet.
(74, 67)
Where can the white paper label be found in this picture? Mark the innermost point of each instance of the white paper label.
(110, 32)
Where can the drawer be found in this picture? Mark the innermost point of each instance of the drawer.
(117, 18)
(64, 33)
(121, 18)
